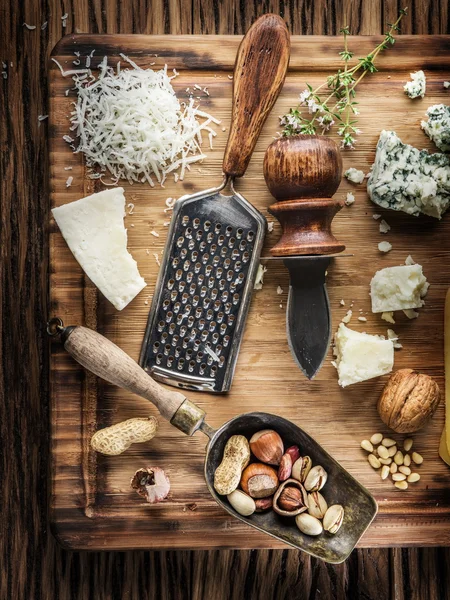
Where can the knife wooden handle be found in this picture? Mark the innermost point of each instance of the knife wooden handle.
(106, 360)
(303, 172)
(259, 72)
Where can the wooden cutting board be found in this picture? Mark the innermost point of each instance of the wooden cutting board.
(92, 505)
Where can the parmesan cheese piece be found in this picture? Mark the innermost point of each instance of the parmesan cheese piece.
(398, 288)
(94, 231)
(360, 356)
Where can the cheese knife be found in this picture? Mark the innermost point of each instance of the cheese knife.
(303, 172)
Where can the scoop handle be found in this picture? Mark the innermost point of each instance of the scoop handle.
(261, 64)
(106, 360)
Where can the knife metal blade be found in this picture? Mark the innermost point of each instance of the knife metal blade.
(308, 321)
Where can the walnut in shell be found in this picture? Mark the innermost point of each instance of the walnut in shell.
(408, 401)
(151, 483)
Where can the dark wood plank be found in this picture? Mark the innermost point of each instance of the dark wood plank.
(32, 565)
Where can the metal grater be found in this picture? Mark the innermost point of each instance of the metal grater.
(203, 291)
(213, 247)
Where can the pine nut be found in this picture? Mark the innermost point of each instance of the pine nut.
(366, 445)
(398, 458)
(376, 438)
(388, 442)
(405, 470)
(382, 452)
(413, 477)
(407, 460)
(407, 444)
(385, 461)
(374, 462)
(417, 458)
(398, 477)
(393, 468)
(392, 451)
(401, 485)
(384, 472)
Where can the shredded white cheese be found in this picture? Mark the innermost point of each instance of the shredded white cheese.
(279, 290)
(385, 247)
(388, 316)
(347, 317)
(30, 27)
(259, 277)
(69, 181)
(154, 233)
(384, 227)
(130, 122)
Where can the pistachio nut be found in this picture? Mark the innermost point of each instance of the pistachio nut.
(308, 524)
(242, 503)
(317, 505)
(315, 479)
(333, 518)
(301, 468)
(290, 504)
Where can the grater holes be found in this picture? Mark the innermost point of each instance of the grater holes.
(216, 261)
(223, 328)
(205, 258)
(224, 296)
(219, 272)
(215, 339)
(250, 236)
(207, 225)
(164, 336)
(191, 366)
(191, 244)
(245, 257)
(241, 277)
(166, 304)
(186, 265)
(169, 316)
(159, 358)
(189, 277)
(198, 313)
(209, 314)
(189, 352)
(214, 293)
(211, 282)
(176, 307)
(210, 237)
(228, 231)
(173, 296)
(180, 319)
(218, 349)
(181, 364)
(235, 254)
(183, 253)
(223, 251)
(242, 245)
(226, 341)
(177, 352)
(167, 349)
(184, 297)
(185, 220)
(217, 305)
(170, 360)
(172, 328)
(239, 233)
(218, 227)
(161, 325)
(196, 223)
(213, 249)
(190, 321)
(170, 283)
(199, 356)
(178, 274)
(202, 369)
(181, 286)
(238, 266)
(231, 242)
(183, 330)
(195, 300)
(197, 267)
(204, 335)
(220, 240)
(199, 235)
(187, 310)
(221, 361)
(230, 275)
(188, 233)
(201, 324)
(180, 242)
(226, 263)
(185, 342)
(222, 284)
(203, 291)
(212, 327)
(194, 256)
(235, 298)
(228, 307)
(156, 346)
(213, 370)
(220, 317)
(175, 262)
(175, 339)
(231, 319)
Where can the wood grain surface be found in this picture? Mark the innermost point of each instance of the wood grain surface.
(33, 566)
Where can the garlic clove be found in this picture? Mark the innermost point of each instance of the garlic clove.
(333, 518)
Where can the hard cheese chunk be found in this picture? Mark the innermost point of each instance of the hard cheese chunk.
(398, 288)
(360, 356)
(94, 231)
(407, 179)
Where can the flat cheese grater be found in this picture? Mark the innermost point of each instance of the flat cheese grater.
(212, 252)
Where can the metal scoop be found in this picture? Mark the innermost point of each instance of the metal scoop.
(212, 252)
(108, 361)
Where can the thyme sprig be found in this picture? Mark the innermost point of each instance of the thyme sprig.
(339, 105)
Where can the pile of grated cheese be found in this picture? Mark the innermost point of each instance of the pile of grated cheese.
(130, 122)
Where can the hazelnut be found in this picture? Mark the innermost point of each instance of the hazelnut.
(408, 401)
(259, 480)
(290, 499)
(267, 446)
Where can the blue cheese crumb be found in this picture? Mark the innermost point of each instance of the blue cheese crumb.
(354, 175)
(417, 86)
(437, 127)
(350, 199)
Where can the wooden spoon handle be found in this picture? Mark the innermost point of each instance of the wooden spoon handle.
(99, 355)
(259, 72)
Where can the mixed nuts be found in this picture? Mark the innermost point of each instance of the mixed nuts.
(279, 479)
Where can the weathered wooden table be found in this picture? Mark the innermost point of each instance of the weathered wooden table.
(32, 565)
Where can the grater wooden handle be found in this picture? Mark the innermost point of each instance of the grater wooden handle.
(303, 172)
(261, 64)
(106, 360)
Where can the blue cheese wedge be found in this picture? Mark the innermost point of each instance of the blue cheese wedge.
(437, 127)
(398, 288)
(94, 231)
(407, 179)
(361, 356)
(416, 88)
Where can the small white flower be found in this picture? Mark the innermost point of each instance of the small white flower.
(303, 96)
(313, 107)
(358, 131)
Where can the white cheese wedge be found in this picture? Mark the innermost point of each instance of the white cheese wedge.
(361, 356)
(94, 231)
(398, 288)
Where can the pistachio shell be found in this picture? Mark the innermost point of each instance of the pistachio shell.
(296, 511)
(333, 518)
(301, 468)
(316, 479)
(242, 503)
(308, 524)
(317, 505)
